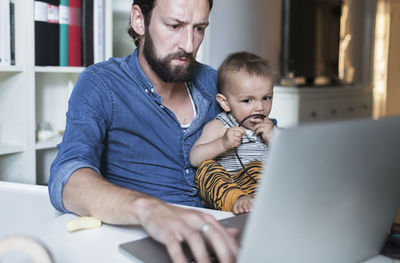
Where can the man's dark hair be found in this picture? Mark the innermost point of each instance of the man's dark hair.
(147, 7)
(250, 63)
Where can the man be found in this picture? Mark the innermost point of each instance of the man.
(130, 125)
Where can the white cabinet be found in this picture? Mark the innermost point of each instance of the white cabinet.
(17, 154)
(295, 105)
(32, 96)
(53, 86)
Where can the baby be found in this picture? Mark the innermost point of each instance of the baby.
(231, 149)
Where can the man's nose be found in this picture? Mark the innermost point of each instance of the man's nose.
(187, 40)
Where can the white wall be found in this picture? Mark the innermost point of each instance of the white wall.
(122, 42)
(238, 25)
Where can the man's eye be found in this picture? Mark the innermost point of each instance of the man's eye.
(173, 27)
(199, 29)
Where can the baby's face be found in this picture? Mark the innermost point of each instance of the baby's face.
(248, 95)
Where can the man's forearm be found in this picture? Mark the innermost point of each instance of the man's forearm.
(88, 194)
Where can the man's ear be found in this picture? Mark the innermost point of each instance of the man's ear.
(137, 20)
(223, 102)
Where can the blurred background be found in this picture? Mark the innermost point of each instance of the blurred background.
(335, 60)
(340, 49)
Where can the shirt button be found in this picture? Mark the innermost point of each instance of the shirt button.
(152, 90)
(187, 171)
(161, 106)
(147, 91)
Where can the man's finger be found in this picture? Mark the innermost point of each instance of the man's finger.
(175, 252)
(226, 240)
(234, 232)
(198, 247)
(231, 234)
(228, 237)
(220, 244)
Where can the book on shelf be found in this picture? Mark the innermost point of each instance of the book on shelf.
(12, 32)
(47, 33)
(87, 32)
(41, 45)
(5, 35)
(74, 30)
(64, 27)
(53, 31)
(74, 36)
(98, 30)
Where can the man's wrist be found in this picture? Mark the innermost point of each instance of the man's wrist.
(142, 207)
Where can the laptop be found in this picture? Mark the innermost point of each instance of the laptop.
(329, 193)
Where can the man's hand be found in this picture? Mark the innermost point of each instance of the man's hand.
(171, 225)
(233, 137)
(243, 205)
(89, 194)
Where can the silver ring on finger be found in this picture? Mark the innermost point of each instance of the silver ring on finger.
(205, 228)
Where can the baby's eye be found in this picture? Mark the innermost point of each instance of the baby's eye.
(267, 98)
(246, 100)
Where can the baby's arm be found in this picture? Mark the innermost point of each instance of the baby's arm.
(214, 141)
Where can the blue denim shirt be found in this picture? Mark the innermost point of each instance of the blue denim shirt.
(117, 125)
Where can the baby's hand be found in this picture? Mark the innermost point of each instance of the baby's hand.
(243, 205)
(265, 128)
(233, 137)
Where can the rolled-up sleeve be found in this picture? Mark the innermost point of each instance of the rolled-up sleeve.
(89, 114)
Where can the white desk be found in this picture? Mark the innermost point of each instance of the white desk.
(26, 209)
(23, 206)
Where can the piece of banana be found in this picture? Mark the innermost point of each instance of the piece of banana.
(82, 223)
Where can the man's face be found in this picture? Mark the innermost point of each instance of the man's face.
(173, 37)
(163, 67)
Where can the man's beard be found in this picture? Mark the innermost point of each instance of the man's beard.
(162, 67)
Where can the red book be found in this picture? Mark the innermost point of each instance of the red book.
(75, 34)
